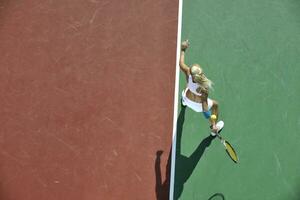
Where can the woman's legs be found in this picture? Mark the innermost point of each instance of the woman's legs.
(214, 111)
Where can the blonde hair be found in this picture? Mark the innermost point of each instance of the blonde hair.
(200, 78)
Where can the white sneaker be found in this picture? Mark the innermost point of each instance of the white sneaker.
(182, 102)
(220, 126)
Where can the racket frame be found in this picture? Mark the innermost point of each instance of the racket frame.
(223, 141)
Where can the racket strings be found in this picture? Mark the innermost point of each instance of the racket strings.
(231, 152)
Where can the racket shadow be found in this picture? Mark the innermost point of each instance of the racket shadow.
(185, 165)
(218, 196)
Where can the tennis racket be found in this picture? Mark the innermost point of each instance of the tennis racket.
(229, 149)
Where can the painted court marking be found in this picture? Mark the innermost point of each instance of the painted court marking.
(171, 194)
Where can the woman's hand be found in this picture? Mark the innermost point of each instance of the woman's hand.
(214, 128)
(184, 45)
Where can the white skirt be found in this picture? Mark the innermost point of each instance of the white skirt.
(197, 107)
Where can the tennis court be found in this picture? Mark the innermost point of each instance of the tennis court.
(250, 49)
(87, 100)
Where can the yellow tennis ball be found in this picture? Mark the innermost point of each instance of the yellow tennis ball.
(213, 117)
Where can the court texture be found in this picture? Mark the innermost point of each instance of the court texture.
(90, 100)
(250, 49)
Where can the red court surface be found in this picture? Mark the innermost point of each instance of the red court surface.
(87, 91)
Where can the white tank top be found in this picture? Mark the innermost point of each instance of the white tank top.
(193, 86)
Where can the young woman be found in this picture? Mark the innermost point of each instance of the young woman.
(195, 96)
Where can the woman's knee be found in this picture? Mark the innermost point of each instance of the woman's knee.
(215, 104)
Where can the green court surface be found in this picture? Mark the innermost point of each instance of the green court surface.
(251, 51)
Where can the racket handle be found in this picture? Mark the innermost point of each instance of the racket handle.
(219, 136)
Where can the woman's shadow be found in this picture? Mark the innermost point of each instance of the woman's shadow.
(184, 165)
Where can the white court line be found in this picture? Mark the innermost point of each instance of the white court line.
(171, 193)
